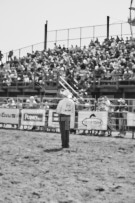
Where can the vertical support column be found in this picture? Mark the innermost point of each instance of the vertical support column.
(108, 19)
(45, 36)
(56, 37)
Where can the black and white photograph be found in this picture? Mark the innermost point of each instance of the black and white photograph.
(67, 101)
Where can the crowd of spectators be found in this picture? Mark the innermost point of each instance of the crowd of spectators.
(113, 59)
(32, 102)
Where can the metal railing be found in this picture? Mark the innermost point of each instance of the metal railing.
(116, 121)
(80, 36)
(54, 84)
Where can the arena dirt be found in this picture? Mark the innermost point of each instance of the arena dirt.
(34, 169)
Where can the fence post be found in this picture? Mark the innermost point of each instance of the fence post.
(19, 124)
(80, 36)
(45, 36)
(108, 26)
(133, 134)
(56, 37)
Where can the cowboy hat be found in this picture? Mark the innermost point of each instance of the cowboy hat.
(66, 93)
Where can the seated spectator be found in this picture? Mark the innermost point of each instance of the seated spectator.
(112, 59)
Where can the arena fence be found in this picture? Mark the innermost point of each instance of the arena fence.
(80, 36)
(86, 120)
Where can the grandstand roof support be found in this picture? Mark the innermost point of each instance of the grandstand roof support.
(45, 36)
(108, 25)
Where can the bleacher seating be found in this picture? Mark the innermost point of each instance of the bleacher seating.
(101, 67)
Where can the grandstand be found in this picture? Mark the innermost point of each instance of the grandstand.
(101, 67)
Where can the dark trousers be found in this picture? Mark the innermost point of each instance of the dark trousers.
(64, 121)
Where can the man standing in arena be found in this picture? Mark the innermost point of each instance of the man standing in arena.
(66, 110)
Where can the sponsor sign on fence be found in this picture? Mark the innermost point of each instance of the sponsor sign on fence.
(9, 116)
(92, 120)
(34, 117)
(130, 119)
(53, 120)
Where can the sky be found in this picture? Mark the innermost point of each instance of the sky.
(22, 21)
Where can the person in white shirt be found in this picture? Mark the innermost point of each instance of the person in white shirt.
(32, 103)
(66, 110)
(11, 103)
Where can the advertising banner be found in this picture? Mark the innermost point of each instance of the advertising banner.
(34, 117)
(53, 119)
(9, 116)
(92, 120)
(130, 119)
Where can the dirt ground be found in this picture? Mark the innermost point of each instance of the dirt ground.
(34, 169)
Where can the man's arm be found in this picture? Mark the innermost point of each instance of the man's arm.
(59, 106)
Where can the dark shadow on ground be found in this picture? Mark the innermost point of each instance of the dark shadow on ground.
(53, 150)
(121, 137)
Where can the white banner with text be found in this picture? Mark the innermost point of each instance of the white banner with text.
(92, 120)
(34, 117)
(9, 116)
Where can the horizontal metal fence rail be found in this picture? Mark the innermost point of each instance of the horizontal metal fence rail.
(117, 121)
(80, 36)
(53, 84)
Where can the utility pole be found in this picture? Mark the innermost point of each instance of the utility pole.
(108, 26)
(45, 36)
